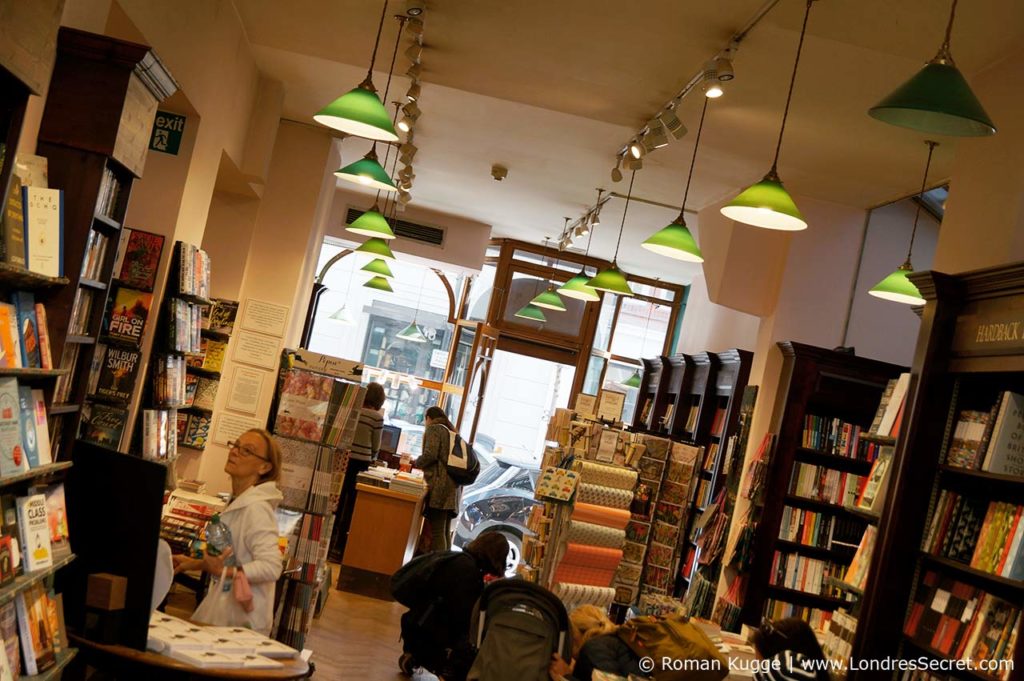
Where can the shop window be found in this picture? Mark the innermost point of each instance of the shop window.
(617, 374)
(641, 329)
(605, 321)
(523, 289)
(480, 293)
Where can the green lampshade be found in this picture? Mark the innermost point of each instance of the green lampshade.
(611, 280)
(368, 172)
(380, 284)
(675, 241)
(378, 266)
(897, 288)
(577, 288)
(412, 333)
(531, 312)
(376, 247)
(549, 300)
(372, 223)
(633, 381)
(359, 112)
(766, 204)
(937, 100)
(341, 315)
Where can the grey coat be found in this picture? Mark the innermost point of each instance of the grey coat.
(443, 493)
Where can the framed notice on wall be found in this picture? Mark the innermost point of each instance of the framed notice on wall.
(256, 349)
(265, 317)
(230, 426)
(245, 389)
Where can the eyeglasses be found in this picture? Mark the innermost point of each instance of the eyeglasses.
(244, 450)
(768, 628)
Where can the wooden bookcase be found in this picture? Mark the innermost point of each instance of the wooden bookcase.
(691, 397)
(98, 117)
(824, 383)
(727, 379)
(651, 392)
(969, 350)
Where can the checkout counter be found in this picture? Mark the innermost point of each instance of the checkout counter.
(385, 526)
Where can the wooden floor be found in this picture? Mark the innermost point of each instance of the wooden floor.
(356, 638)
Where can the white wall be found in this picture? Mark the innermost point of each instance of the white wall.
(712, 327)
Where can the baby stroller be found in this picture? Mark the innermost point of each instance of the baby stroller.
(519, 625)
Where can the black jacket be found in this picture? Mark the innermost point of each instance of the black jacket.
(443, 622)
(605, 653)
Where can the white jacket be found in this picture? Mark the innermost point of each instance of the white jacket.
(254, 533)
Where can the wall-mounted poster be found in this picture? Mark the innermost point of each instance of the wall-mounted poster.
(256, 349)
(230, 426)
(245, 389)
(265, 317)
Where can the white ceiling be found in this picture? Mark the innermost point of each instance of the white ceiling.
(552, 89)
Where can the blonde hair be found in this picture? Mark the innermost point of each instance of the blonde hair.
(273, 455)
(587, 622)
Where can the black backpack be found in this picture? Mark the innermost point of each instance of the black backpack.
(409, 584)
(467, 475)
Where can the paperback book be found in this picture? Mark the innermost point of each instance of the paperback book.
(28, 336)
(10, 341)
(35, 532)
(103, 424)
(128, 314)
(35, 629)
(138, 265)
(43, 211)
(12, 454)
(117, 372)
(222, 316)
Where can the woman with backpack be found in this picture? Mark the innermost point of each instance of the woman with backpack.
(442, 503)
(596, 646)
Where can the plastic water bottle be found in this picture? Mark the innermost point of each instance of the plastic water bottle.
(218, 541)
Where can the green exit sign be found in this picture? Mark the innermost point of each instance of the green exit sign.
(167, 131)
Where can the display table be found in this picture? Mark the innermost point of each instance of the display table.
(128, 663)
(382, 538)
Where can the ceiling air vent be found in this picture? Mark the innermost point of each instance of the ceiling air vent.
(433, 236)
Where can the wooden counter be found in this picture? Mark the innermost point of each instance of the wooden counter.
(382, 538)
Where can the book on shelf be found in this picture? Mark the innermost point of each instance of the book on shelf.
(110, 192)
(103, 424)
(691, 418)
(800, 573)
(214, 352)
(857, 572)
(821, 483)
(138, 258)
(986, 535)
(159, 434)
(56, 519)
(343, 414)
(10, 340)
(1005, 453)
(9, 635)
(33, 170)
(28, 335)
(872, 497)
(837, 639)
(8, 573)
(776, 610)
(42, 427)
(183, 326)
(45, 355)
(36, 551)
(191, 386)
(81, 312)
(114, 372)
(35, 629)
(197, 431)
(205, 392)
(193, 270)
(894, 406)
(221, 318)
(129, 310)
(64, 385)
(29, 437)
(10, 528)
(170, 382)
(13, 242)
(43, 213)
(13, 460)
(822, 530)
(96, 245)
(645, 411)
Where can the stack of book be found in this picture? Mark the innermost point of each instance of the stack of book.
(96, 246)
(824, 530)
(159, 435)
(169, 381)
(24, 335)
(986, 535)
(184, 326)
(990, 440)
(810, 575)
(307, 548)
(829, 485)
(837, 641)
(81, 313)
(24, 436)
(110, 192)
(194, 271)
(184, 520)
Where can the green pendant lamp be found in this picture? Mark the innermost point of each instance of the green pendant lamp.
(610, 279)
(549, 299)
(633, 381)
(368, 172)
(937, 100)
(342, 316)
(372, 223)
(896, 287)
(531, 312)
(378, 266)
(577, 287)
(675, 240)
(380, 284)
(378, 248)
(359, 111)
(412, 333)
(767, 204)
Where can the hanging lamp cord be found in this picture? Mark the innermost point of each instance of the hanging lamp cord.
(792, 82)
(944, 51)
(376, 42)
(625, 209)
(920, 194)
(387, 152)
(693, 161)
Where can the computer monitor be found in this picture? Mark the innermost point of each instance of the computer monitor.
(389, 440)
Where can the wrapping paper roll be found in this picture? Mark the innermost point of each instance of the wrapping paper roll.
(592, 556)
(595, 535)
(575, 574)
(604, 496)
(600, 515)
(608, 476)
(575, 595)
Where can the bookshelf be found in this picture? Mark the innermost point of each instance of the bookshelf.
(690, 418)
(968, 353)
(94, 157)
(831, 385)
(652, 388)
(719, 421)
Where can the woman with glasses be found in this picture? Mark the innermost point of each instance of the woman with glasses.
(241, 592)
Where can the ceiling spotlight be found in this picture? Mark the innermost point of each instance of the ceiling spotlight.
(414, 52)
(581, 230)
(712, 88)
(616, 174)
(413, 8)
(634, 163)
(655, 137)
(404, 197)
(405, 124)
(672, 123)
(416, 26)
(723, 65)
(636, 148)
(414, 71)
(414, 92)
(412, 109)
(595, 218)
